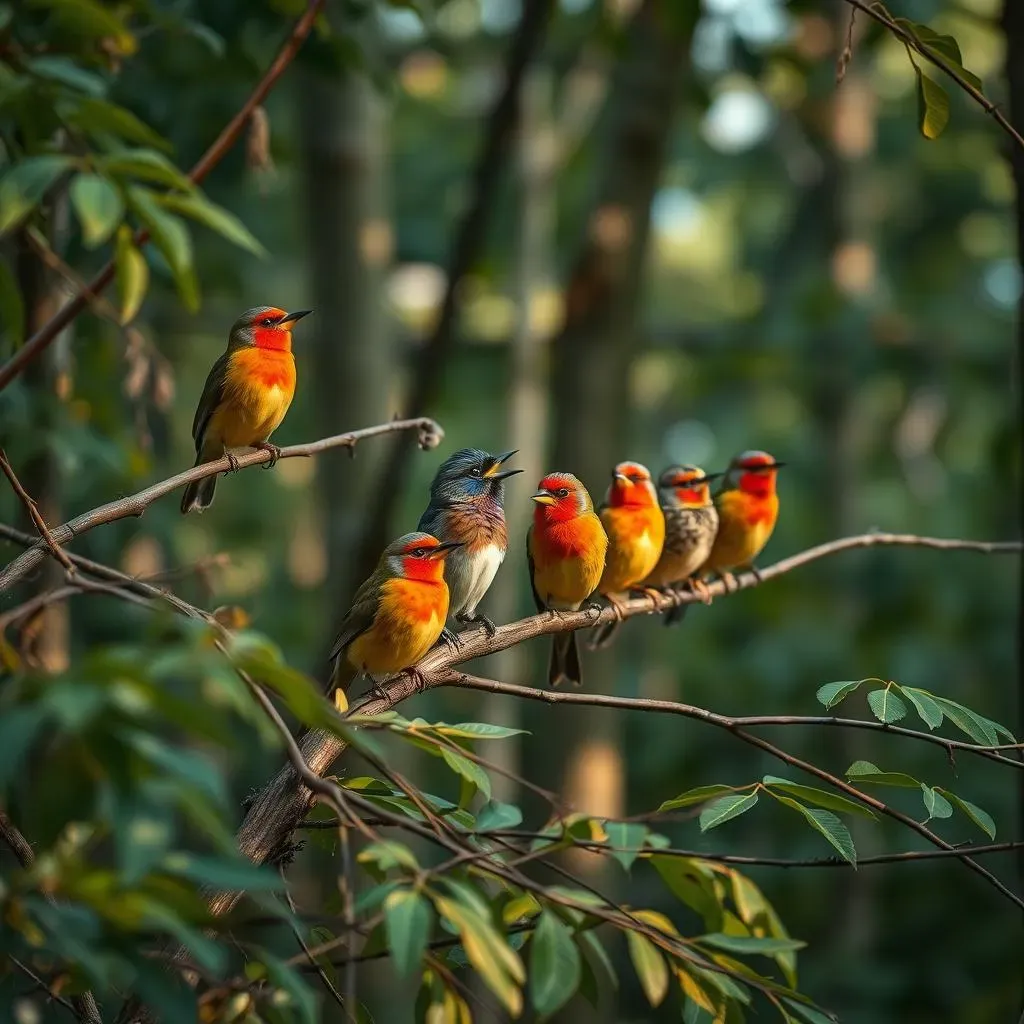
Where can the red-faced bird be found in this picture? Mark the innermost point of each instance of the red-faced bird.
(397, 615)
(565, 548)
(467, 504)
(748, 508)
(246, 395)
(691, 523)
(635, 526)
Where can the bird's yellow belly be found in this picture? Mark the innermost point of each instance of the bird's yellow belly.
(566, 583)
(738, 544)
(249, 415)
(406, 627)
(631, 561)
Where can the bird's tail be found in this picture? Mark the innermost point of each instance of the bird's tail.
(565, 660)
(198, 494)
(342, 674)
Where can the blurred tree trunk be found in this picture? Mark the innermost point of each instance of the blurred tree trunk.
(1013, 25)
(350, 245)
(344, 139)
(591, 362)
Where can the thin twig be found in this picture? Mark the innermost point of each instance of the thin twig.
(33, 510)
(882, 16)
(348, 900)
(429, 435)
(29, 973)
(213, 155)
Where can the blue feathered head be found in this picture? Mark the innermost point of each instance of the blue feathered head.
(471, 473)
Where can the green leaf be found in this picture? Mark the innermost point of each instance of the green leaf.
(820, 797)
(386, 854)
(811, 1014)
(979, 728)
(468, 770)
(93, 20)
(492, 958)
(886, 705)
(727, 807)
(832, 693)
(980, 818)
(172, 239)
(198, 208)
(478, 731)
(408, 918)
(746, 944)
(828, 825)
(145, 165)
(132, 275)
(554, 965)
(935, 803)
(944, 48)
(66, 72)
(25, 184)
(692, 883)
(927, 708)
(496, 815)
(649, 965)
(628, 837)
(865, 771)
(100, 117)
(590, 944)
(694, 796)
(932, 106)
(292, 985)
(99, 207)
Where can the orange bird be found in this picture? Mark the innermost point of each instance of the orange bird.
(747, 512)
(565, 550)
(397, 615)
(635, 525)
(246, 395)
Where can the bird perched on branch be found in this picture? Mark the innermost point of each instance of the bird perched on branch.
(565, 550)
(246, 395)
(635, 526)
(691, 522)
(467, 504)
(748, 508)
(397, 614)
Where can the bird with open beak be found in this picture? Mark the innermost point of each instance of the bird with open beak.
(467, 504)
(246, 396)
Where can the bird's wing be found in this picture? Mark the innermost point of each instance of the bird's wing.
(529, 561)
(360, 616)
(211, 397)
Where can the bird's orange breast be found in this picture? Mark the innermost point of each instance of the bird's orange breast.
(409, 619)
(636, 535)
(258, 389)
(568, 558)
(746, 522)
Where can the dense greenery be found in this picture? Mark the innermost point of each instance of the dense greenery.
(829, 275)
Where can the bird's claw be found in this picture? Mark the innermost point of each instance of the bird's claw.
(275, 453)
(451, 640)
(700, 588)
(593, 609)
(233, 465)
(419, 682)
(756, 573)
(489, 627)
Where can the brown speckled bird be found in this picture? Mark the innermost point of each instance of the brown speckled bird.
(691, 523)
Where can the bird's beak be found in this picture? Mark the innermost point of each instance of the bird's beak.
(493, 474)
(708, 477)
(776, 465)
(621, 478)
(292, 317)
(442, 550)
(543, 498)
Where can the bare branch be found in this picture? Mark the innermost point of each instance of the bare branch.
(33, 510)
(430, 435)
(213, 155)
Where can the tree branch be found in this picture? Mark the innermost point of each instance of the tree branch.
(430, 435)
(213, 155)
(33, 511)
(876, 11)
(283, 802)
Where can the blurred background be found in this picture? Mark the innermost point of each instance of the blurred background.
(693, 243)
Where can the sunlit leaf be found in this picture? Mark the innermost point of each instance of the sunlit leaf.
(650, 967)
(746, 944)
(932, 106)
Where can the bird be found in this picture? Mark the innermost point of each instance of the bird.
(467, 504)
(748, 508)
(565, 550)
(635, 526)
(246, 396)
(691, 522)
(397, 614)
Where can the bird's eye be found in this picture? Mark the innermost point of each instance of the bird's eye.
(268, 321)
(562, 492)
(418, 552)
(475, 471)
